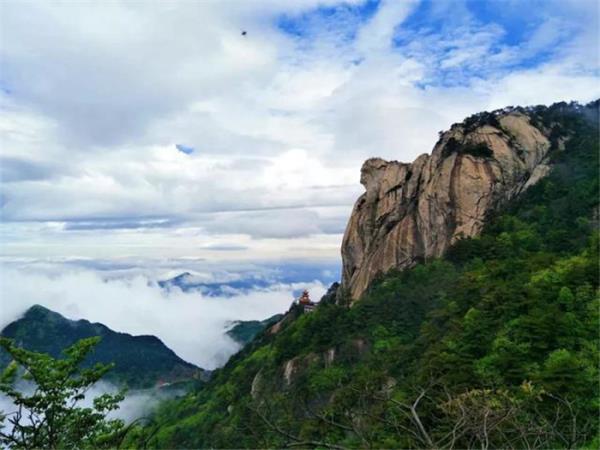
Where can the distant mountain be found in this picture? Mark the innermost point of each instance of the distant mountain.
(140, 361)
(189, 282)
(244, 331)
(228, 285)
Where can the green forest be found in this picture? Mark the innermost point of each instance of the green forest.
(493, 346)
(139, 361)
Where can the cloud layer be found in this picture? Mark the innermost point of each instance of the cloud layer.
(171, 130)
(191, 324)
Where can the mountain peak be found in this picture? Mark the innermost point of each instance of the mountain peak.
(140, 361)
(414, 212)
(38, 309)
(39, 312)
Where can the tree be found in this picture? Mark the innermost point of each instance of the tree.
(51, 417)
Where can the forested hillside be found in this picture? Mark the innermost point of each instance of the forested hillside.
(493, 346)
(140, 361)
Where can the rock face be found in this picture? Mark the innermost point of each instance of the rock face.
(414, 212)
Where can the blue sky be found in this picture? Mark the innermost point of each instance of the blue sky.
(171, 134)
(500, 25)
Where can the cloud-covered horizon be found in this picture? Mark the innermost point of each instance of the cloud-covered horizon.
(192, 323)
(172, 132)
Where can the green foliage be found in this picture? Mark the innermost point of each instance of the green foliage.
(50, 417)
(494, 346)
(479, 150)
(243, 332)
(139, 361)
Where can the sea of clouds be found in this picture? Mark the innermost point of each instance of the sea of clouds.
(126, 295)
(129, 299)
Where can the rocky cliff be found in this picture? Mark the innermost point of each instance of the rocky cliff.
(413, 212)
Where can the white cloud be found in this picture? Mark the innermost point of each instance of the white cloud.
(376, 35)
(542, 86)
(136, 404)
(189, 323)
(278, 122)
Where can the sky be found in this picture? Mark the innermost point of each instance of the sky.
(142, 139)
(157, 129)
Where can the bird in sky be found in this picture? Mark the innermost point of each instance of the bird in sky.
(244, 33)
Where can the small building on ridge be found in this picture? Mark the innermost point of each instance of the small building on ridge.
(307, 304)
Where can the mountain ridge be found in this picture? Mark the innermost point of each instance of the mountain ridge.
(244, 331)
(141, 361)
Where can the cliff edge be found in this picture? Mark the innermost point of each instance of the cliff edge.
(414, 212)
